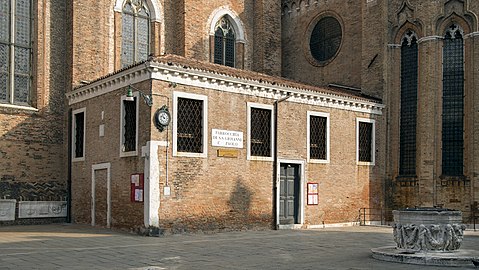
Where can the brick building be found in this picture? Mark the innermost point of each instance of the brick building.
(206, 115)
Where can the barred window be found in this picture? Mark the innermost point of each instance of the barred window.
(129, 125)
(260, 132)
(318, 141)
(15, 51)
(224, 44)
(365, 140)
(189, 125)
(135, 32)
(409, 77)
(78, 134)
(325, 39)
(453, 102)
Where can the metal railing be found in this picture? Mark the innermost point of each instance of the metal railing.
(375, 216)
(384, 217)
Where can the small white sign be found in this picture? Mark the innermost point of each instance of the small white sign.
(227, 138)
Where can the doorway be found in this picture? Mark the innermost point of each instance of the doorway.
(100, 195)
(290, 210)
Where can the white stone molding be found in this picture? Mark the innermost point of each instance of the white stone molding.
(272, 128)
(308, 137)
(152, 183)
(429, 38)
(301, 192)
(154, 5)
(235, 22)
(73, 133)
(96, 167)
(373, 141)
(123, 153)
(203, 98)
(221, 82)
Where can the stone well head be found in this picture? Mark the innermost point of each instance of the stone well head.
(428, 229)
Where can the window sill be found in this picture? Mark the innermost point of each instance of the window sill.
(256, 158)
(365, 163)
(318, 161)
(18, 107)
(78, 159)
(192, 155)
(128, 154)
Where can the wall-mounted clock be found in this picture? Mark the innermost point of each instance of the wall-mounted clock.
(162, 118)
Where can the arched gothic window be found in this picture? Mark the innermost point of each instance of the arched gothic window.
(453, 102)
(15, 51)
(224, 44)
(409, 77)
(135, 43)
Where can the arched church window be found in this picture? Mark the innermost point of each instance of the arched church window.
(325, 39)
(15, 51)
(224, 44)
(453, 102)
(409, 81)
(135, 43)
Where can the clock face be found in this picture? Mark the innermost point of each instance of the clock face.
(163, 118)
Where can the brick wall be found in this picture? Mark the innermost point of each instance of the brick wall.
(297, 23)
(220, 193)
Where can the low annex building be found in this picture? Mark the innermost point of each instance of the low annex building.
(179, 145)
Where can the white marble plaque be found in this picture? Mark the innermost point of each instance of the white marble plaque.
(41, 209)
(7, 209)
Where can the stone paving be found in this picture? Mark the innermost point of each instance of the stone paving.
(67, 246)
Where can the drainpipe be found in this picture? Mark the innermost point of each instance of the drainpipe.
(275, 160)
(69, 170)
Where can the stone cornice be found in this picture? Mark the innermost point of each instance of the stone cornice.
(211, 80)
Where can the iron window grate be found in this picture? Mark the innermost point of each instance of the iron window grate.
(260, 132)
(129, 142)
(79, 134)
(190, 125)
(453, 103)
(317, 135)
(409, 80)
(16, 51)
(224, 47)
(365, 141)
(135, 32)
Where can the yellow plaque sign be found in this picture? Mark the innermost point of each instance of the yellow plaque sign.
(230, 153)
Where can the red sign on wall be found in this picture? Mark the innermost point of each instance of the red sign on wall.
(137, 187)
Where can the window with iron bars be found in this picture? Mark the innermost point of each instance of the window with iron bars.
(260, 132)
(135, 32)
(129, 125)
(78, 134)
(453, 102)
(409, 77)
(317, 137)
(16, 30)
(224, 47)
(365, 142)
(189, 125)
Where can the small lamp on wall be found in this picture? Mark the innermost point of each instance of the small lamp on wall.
(148, 98)
(129, 95)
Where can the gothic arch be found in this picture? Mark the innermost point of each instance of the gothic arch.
(406, 27)
(443, 24)
(152, 4)
(235, 21)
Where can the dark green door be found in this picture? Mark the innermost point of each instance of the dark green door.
(289, 194)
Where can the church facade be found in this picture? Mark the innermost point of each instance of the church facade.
(208, 115)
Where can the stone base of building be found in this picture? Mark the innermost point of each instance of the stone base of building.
(458, 258)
